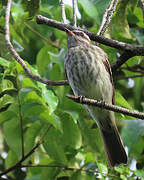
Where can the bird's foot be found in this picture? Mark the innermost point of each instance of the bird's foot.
(81, 99)
(102, 102)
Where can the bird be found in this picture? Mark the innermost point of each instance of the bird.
(89, 75)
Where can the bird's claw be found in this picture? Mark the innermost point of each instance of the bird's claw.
(81, 98)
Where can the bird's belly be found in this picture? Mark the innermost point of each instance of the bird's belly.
(90, 81)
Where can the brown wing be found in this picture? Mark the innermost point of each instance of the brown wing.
(108, 69)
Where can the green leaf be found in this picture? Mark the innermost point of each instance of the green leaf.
(31, 6)
(49, 173)
(120, 26)
(131, 62)
(138, 35)
(123, 177)
(53, 146)
(71, 133)
(94, 9)
(138, 90)
(58, 58)
(89, 8)
(140, 173)
(32, 111)
(4, 62)
(89, 157)
(121, 101)
(11, 159)
(10, 113)
(6, 85)
(49, 2)
(31, 134)
(92, 138)
(50, 98)
(29, 83)
(79, 175)
(33, 178)
(136, 16)
(43, 60)
(33, 97)
(132, 132)
(17, 14)
(5, 100)
(102, 168)
(51, 118)
(13, 136)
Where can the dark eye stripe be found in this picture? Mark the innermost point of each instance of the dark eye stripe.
(81, 34)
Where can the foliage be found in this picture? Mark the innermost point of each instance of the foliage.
(74, 140)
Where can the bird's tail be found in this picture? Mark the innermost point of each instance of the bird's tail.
(114, 147)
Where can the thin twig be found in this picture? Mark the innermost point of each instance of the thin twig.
(44, 134)
(70, 169)
(104, 105)
(63, 11)
(74, 13)
(41, 36)
(128, 77)
(134, 68)
(21, 123)
(18, 164)
(62, 167)
(19, 59)
(107, 17)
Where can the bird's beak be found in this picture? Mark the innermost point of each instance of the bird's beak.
(69, 33)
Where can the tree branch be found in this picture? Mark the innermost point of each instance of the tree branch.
(139, 50)
(107, 17)
(129, 50)
(128, 77)
(19, 59)
(63, 11)
(122, 59)
(101, 104)
(74, 12)
(62, 167)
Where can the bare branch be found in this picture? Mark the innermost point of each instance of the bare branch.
(74, 12)
(128, 77)
(19, 59)
(137, 50)
(107, 17)
(63, 11)
(104, 105)
(129, 50)
(122, 59)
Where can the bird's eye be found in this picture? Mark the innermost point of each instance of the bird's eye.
(79, 34)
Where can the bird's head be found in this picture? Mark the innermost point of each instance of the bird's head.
(76, 38)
